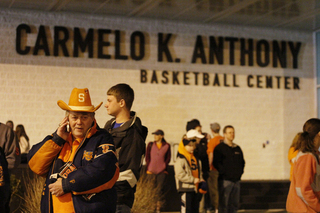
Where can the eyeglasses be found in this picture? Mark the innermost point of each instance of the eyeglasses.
(193, 140)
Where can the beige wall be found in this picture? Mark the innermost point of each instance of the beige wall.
(32, 85)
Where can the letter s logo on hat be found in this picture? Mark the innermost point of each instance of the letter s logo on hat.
(81, 97)
(79, 101)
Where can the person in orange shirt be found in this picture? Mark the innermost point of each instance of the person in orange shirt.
(213, 174)
(304, 192)
(293, 151)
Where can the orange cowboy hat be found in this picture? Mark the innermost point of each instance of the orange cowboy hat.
(79, 101)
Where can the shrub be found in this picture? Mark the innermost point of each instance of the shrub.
(32, 195)
(147, 195)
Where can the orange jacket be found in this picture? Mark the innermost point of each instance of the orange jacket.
(301, 197)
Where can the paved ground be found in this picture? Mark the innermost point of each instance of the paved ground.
(256, 211)
(263, 211)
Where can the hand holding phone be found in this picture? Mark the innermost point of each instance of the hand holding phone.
(64, 128)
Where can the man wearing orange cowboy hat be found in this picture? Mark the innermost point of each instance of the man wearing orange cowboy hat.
(78, 160)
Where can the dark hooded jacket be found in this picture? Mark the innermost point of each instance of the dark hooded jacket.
(129, 140)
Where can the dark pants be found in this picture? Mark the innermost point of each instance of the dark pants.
(5, 194)
(190, 202)
(123, 209)
(213, 188)
(229, 196)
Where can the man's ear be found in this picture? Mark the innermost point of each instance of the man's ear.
(122, 103)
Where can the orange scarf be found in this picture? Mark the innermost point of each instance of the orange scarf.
(191, 159)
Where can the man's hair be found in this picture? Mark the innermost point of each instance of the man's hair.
(192, 124)
(226, 127)
(122, 91)
(215, 127)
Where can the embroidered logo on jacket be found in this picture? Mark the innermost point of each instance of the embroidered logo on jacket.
(105, 148)
(87, 155)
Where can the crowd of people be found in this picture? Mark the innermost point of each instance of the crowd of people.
(93, 169)
(217, 189)
(206, 168)
(215, 166)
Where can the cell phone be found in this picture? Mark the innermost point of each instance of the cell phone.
(68, 127)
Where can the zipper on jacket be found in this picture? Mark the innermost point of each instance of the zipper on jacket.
(49, 194)
(85, 137)
(81, 143)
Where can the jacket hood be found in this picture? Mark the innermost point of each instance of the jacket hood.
(133, 121)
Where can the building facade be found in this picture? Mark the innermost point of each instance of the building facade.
(260, 80)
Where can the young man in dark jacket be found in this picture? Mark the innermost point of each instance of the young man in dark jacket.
(129, 138)
(228, 160)
(78, 160)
